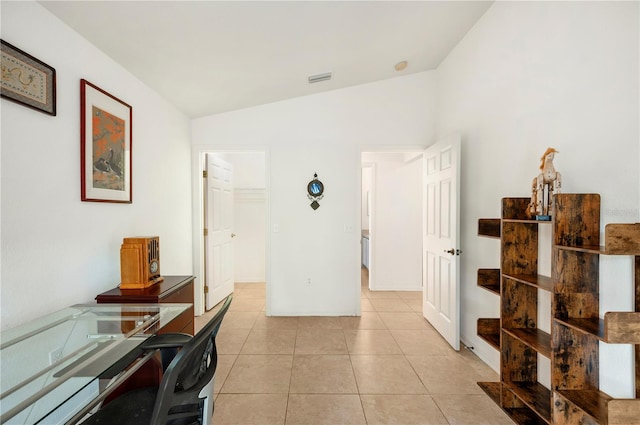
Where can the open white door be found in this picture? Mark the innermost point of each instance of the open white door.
(218, 225)
(441, 240)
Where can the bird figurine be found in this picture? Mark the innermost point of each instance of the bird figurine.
(548, 182)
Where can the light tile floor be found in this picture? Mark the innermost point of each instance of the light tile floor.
(388, 366)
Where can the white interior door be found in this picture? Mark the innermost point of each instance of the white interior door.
(441, 240)
(218, 234)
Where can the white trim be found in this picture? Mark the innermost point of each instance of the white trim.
(372, 219)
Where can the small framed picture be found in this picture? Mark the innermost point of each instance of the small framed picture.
(105, 146)
(27, 80)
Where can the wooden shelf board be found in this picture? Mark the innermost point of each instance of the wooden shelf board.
(535, 396)
(622, 239)
(489, 227)
(624, 411)
(592, 402)
(619, 238)
(539, 340)
(492, 389)
(622, 327)
(492, 339)
(593, 326)
(595, 249)
(538, 281)
(523, 416)
(591, 249)
(617, 328)
(515, 220)
(490, 237)
(489, 330)
(489, 279)
(491, 287)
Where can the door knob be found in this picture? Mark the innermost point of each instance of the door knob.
(453, 251)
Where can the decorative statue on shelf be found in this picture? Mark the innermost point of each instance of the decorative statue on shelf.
(544, 186)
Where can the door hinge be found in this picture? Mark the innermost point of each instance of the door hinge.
(206, 289)
(205, 174)
(206, 232)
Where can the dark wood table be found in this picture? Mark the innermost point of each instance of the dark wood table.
(173, 289)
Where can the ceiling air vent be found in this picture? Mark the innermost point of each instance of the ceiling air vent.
(319, 77)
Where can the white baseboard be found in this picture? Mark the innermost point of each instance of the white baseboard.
(396, 288)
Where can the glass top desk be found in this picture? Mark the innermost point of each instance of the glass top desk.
(51, 368)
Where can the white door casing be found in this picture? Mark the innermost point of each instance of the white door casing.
(219, 223)
(441, 238)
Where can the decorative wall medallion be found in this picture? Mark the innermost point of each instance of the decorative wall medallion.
(315, 191)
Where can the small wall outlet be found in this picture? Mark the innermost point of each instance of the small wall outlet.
(308, 281)
(55, 355)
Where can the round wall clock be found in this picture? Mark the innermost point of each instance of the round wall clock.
(315, 191)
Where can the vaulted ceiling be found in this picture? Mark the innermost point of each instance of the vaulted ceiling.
(208, 57)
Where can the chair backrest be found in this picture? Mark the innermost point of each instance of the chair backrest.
(193, 368)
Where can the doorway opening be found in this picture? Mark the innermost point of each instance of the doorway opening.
(391, 220)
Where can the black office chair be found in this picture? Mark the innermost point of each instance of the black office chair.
(185, 394)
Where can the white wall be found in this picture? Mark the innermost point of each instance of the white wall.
(531, 75)
(396, 235)
(323, 133)
(57, 250)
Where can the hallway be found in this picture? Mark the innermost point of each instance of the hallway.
(388, 366)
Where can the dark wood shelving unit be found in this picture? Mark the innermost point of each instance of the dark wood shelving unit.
(577, 327)
(576, 324)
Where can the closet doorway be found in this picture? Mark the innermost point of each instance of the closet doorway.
(248, 216)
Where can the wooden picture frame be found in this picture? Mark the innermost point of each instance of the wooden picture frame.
(105, 146)
(27, 80)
